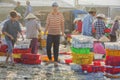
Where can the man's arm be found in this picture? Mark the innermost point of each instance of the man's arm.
(4, 31)
(38, 26)
(47, 24)
(21, 35)
(62, 25)
(11, 37)
(20, 31)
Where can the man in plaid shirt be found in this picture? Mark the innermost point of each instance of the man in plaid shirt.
(99, 26)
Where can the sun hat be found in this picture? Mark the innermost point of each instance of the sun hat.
(55, 4)
(31, 16)
(104, 39)
(117, 18)
(76, 19)
(19, 15)
(92, 10)
(100, 15)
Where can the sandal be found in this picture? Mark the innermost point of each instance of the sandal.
(55, 64)
(13, 64)
(47, 63)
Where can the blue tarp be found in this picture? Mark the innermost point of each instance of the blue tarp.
(76, 12)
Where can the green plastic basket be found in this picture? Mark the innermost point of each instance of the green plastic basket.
(80, 50)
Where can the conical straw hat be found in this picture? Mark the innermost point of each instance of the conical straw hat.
(31, 16)
(104, 39)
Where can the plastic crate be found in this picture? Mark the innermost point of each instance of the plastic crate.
(92, 68)
(68, 61)
(22, 50)
(2, 54)
(3, 48)
(112, 60)
(82, 58)
(98, 69)
(17, 60)
(30, 57)
(112, 70)
(110, 52)
(80, 50)
(87, 68)
(65, 53)
(33, 62)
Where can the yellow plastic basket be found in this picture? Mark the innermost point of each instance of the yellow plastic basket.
(16, 55)
(43, 43)
(82, 59)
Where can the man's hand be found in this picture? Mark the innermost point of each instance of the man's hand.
(23, 38)
(11, 37)
(63, 34)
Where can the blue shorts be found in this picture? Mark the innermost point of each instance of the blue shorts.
(10, 45)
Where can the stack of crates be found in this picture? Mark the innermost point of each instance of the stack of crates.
(31, 59)
(81, 53)
(17, 54)
(3, 49)
(112, 58)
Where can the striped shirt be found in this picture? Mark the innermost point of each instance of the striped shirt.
(55, 22)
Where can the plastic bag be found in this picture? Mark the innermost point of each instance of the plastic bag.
(62, 39)
(98, 48)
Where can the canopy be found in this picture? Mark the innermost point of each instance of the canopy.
(96, 2)
(76, 12)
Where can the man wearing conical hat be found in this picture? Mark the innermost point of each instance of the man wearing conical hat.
(87, 22)
(32, 29)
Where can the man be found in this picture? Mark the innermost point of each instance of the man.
(20, 9)
(99, 26)
(28, 9)
(11, 29)
(32, 28)
(87, 22)
(115, 29)
(54, 26)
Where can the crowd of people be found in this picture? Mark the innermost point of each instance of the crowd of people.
(91, 25)
(95, 25)
(24, 16)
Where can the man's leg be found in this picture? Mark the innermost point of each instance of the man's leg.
(49, 45)
(56, 48)
(10, 51)
(34, 45)
(7, 57)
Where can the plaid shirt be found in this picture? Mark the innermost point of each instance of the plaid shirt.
(99, 25)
